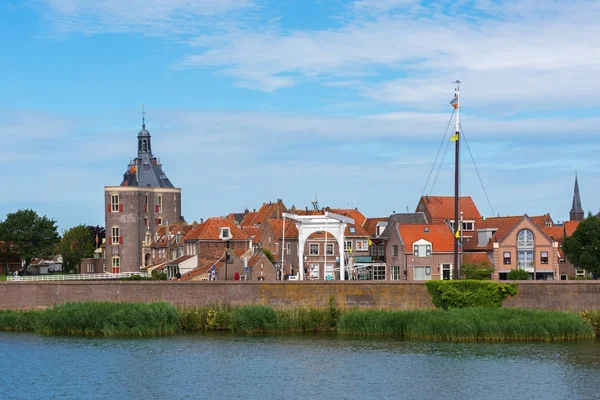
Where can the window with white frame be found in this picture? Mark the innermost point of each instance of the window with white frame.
(314, 271)
(396, 273)
(116, 265)
(115, 233)
(507, 257)
(288, 247)
(348, 245)
(544, 257)
(329, 249)
(114, 203)
(468, 225)
(159, 203)
(525, 249)
(329, 272)
(90, 268)
(225, 234)
(422, 273)
(422, 250)
(313, 249)
(362, 245)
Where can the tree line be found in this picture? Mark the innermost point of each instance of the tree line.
(25, 235)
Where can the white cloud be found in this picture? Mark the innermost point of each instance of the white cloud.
(153, 17)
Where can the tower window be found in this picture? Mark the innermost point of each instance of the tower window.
(159, 203)
(116, 265)
(115, 237)
(114, 203)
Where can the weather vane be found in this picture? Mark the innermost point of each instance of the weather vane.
(143, 116)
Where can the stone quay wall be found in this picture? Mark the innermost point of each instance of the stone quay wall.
(557, 295)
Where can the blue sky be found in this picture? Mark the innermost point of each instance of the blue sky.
(252, 100)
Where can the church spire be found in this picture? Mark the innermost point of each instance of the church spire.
(576, 213)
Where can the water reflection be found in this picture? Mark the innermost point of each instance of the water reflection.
(293, 367)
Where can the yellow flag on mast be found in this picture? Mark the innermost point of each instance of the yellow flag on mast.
(454, 137)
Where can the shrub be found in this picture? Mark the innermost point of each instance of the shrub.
(518, 275)
(214, 318)
(159, 276)
(593, 318)
(477, 272)
(469, 293)
(269, 255)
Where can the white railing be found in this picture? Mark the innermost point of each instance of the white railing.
(71, 277)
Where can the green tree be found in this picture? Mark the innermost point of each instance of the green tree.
(583, 246)
(75, 244)
(269, 255)
(478, 272)
(518, 275)
(29, 235)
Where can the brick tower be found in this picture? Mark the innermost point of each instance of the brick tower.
(145, 199)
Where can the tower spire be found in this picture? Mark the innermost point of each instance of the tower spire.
(143, 117)
(576, 213)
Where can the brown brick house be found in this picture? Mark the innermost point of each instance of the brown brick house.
(420, 252)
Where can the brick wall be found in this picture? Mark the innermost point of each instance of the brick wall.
(556, 295)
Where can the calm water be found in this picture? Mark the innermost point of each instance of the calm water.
(292, 367)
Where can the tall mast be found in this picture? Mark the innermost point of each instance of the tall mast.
(457, 221)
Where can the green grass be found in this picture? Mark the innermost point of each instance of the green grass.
(469, 324)
(2, 277)
(152, 319)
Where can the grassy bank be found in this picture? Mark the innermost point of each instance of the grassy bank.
(468, 324)
(139, 319)
(96, 319)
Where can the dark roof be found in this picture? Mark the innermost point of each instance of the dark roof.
(403, 219)
(145, 170)
(576, 209)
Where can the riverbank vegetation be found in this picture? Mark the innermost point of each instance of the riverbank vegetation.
(154, 319)
(469, 293)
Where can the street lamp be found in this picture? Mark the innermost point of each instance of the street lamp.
(226, 257)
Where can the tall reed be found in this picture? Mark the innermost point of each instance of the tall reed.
(467, 324)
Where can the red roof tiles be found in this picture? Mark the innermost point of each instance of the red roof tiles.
(277, 227)
(370, 224)
(209, 230)
(439, 235)
(441, 208)
(570, 227)
(476, 258)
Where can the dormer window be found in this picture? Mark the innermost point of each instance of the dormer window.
(422, 249)
(352, 229)
(225, 233)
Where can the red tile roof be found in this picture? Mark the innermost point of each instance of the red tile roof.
(476, 258)
(209, 230)
(267, 210)
(254, 232)
(357, 216)
(556, 232)
(442, 207)
(570, 227)
(277, 227)
(439, 235)
(370, 224)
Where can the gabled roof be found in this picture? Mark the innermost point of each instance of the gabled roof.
(370, 224)
(359, 231)
(253, 232)
(439, 235)
(524, 217)
(209, 230)
(502, 226)
(357, 216)
(402, 219)
(442, 207)
(267, 210)
(179, 260)
(277, 227)
(570, 227)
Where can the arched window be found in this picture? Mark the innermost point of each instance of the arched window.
(525, 250)
(145, 148)
(525, 239)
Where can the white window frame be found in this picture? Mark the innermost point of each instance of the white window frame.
(115, 202)
(378, 272)
(348, 245)
(422, 248)
(362, 245)
(542, 257)
(396, 272)
(115, 238)
(310, 249)
(329, 269)
(329, 246)
(426, 268)
(228, 235)
(288, 248)
(465, 224)
(315, 270)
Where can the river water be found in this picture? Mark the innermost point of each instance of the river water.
(292, 367)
